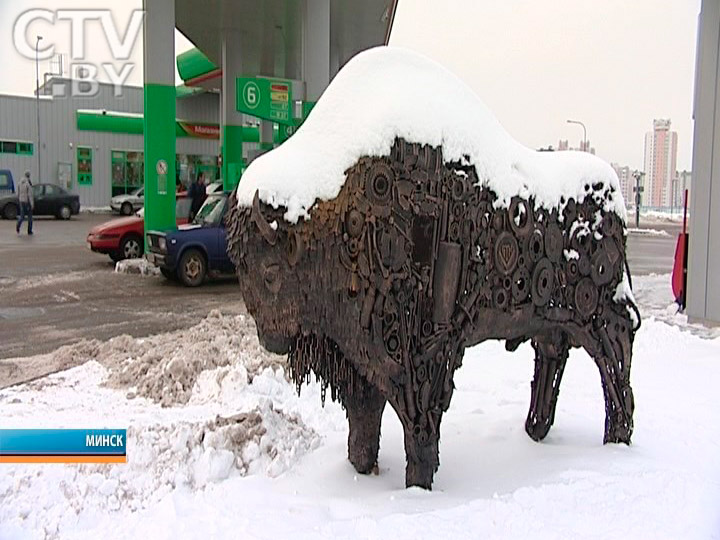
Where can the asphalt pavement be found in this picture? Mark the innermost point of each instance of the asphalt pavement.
(54, 291)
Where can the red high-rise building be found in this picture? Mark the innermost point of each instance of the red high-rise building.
(660, 164)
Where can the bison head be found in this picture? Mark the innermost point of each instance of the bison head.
(265, 254)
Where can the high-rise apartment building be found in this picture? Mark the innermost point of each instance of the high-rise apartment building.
(660, 164)
(627, 183)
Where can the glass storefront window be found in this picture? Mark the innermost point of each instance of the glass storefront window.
(127, 171)
(190, 166)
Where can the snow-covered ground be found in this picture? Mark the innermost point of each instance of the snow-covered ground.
(655, 215)
(220, 446)
(647, 232)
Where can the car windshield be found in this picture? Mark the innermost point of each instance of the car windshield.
(211, 212)
(137, 192)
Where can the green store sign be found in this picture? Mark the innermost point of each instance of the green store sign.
(269, 99)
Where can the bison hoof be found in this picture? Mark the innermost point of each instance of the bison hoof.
(618, 428)
(419, 476)
(618, 434)
(365, 466)
(537, 429)
(364, 459)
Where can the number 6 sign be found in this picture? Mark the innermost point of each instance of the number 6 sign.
(251, 94)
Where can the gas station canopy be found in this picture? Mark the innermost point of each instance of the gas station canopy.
(269, 60)
(273, 34)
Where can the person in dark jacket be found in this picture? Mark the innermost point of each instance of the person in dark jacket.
(197, 194)
(27, 202)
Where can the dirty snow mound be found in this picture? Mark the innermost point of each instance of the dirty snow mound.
(136, 266)
(164, 368)
(167, 457)
(231, 427)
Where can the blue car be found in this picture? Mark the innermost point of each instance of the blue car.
(196, 250)
(7, 184)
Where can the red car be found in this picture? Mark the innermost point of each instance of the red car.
(122, 238)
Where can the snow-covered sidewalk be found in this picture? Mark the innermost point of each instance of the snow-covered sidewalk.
(220, 446)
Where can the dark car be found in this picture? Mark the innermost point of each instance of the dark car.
(194, 251)
(50, 200)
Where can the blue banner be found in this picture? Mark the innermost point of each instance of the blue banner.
(62, 442)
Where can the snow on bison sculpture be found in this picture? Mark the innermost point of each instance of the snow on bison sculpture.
(394, 230)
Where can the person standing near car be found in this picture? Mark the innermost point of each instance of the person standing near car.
(197, 194)
(27, 202)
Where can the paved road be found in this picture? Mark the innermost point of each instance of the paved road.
(652, 253)
(54, 292)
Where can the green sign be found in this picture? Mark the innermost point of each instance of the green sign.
(269, 99)
(84, 166)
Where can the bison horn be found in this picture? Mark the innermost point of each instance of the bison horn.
(267, 232)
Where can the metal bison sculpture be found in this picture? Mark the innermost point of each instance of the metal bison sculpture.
(382, 289)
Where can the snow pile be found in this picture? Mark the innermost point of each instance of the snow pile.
(164, 368)
(389, 92)
(647, 232)
(96, 210)
(241, 418)
(136, 266)
(185, 450)
(660, 216)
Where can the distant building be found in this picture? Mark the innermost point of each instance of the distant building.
(660, 164)
(627, 182)
(680, 183)
(581, 147)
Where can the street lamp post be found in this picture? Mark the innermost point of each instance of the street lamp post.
(585, 144)
(673, 194)
(37, 102)
(637, 175)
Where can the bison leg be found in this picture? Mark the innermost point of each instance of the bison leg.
(613, 355)
(364, 409)
(421, 451)
(550, 358)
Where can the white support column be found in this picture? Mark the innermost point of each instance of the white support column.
(267, 69)
(703, 295)
(232, 120)
(316, 47)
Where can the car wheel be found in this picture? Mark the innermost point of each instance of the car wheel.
(169, 274)
(64, 212)
(10, 211)
(126, 209)
(131, 247)
(192, 268)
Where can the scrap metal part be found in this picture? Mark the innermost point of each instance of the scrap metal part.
(381, 291)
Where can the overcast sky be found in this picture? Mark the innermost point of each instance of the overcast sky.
(612, 64)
